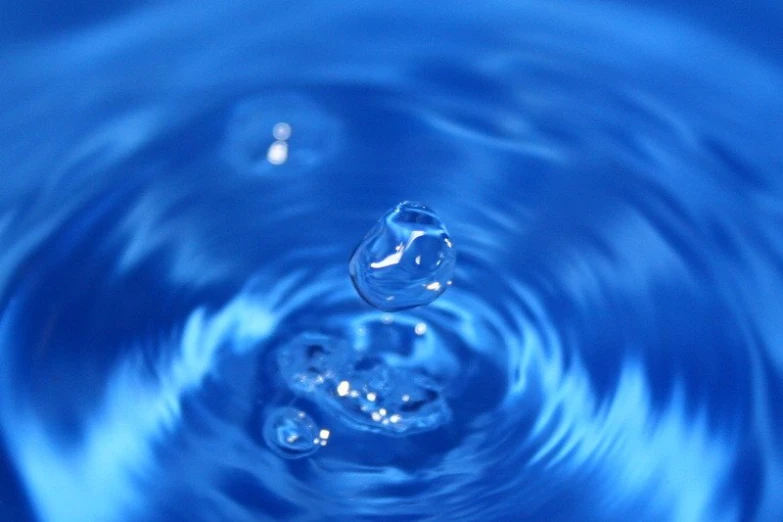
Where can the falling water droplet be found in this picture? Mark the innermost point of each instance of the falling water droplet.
(281, 131)
(406, 260)
(291, 433)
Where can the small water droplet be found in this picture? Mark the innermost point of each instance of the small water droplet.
(277, 153)
(406, 260)
(291, 433)
(281, 131)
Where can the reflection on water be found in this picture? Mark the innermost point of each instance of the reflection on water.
(180, 338)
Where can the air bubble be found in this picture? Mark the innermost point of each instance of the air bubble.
(292, 433)
(406, 260)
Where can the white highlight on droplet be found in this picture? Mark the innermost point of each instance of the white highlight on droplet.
(414, 236)
(343, 388)
(420, 328)
(390, 260)
(324, 434)
(371, 396)
(277, 153)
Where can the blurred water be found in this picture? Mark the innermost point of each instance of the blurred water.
(611, 346)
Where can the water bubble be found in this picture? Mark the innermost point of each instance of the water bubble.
(406, 260)
(312, 360)
(292, 433)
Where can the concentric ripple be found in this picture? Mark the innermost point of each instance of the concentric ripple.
(179, 334)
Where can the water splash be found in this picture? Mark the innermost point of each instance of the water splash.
(364, 392)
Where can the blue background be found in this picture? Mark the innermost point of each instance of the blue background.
(610, 175)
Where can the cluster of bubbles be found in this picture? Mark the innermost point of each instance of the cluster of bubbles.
(365, 392)
(406, 260)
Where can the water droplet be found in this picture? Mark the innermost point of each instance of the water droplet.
(406, 260)
(278, 133)
(281, 131)
(291, 433)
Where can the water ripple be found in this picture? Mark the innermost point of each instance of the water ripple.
(610, 348)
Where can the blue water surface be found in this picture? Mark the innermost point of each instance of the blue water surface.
(183, 186)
